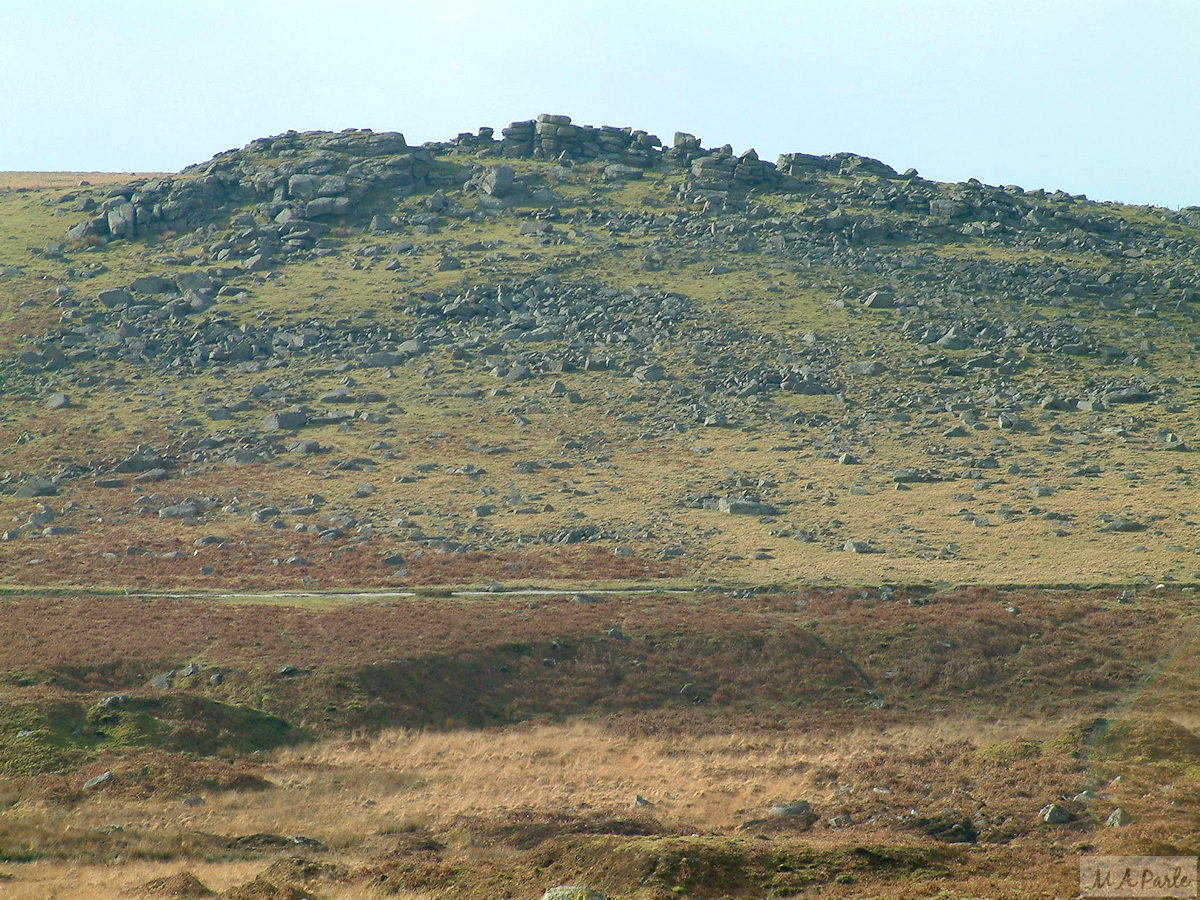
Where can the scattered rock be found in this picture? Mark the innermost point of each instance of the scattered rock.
(188, 509)
(285, 420)
(1053, 814)
(1118, 818)
(164, 681)
(735, 507)
(97, 780)
(36, 486)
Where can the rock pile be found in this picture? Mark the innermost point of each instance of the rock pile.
(288, 178)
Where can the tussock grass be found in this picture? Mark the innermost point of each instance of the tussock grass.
(701, 782)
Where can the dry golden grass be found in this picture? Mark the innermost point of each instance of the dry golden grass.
(696, 782)
(484, 794)
(118, 879)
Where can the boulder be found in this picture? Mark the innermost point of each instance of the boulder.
(151, 284)
(98, 780)
(912, 475)
(1053, 814)
(122, 221)
(285, 420)
(36, 486)
(790, 810)
(382, 358)
(188, 509)
(1128, 395)
(1124, 525)
(619, 172)
(304, 187)
(200, 282)
(735, 507)
(327, 206)
(880, 300)
(1118, 818)
(497, 181)
(115, 298)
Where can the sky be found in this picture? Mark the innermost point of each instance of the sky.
(1099, 97)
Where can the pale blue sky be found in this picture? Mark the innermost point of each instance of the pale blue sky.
(1092, 96)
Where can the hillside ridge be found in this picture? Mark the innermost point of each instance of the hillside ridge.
(316, 304)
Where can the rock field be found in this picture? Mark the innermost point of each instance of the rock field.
(450, 361)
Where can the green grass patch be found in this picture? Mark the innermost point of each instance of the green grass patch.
(57, 736)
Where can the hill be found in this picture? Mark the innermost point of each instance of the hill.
(465, 519)
(698, 364)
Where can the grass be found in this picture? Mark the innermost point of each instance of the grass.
(552, 804)
(57, 736)
(895, 721)
(673, 663)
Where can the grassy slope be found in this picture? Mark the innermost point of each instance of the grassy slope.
(911, 528)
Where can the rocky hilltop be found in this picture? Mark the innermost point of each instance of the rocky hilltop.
(576, 352)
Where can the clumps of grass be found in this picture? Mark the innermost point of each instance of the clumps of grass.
(528, 828)
(180, 885)
(57, 736)
(1007, 752)
(291, 876)
(1151, 740)
(25, 840)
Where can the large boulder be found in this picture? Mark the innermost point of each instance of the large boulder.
(327, 206)
(285, 420)
(150, 284)
(304, 187)
(36, 486)
(114, 298)
(122, 221)
(735, 507)
(497, 181)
